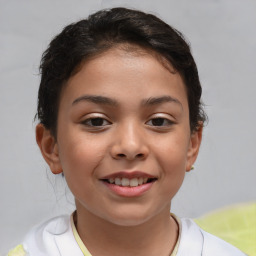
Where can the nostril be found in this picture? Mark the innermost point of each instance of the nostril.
(121, 155)
(124, 156)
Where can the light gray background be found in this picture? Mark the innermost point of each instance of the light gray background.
(223, 39)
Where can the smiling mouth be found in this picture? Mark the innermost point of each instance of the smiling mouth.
(126, 182)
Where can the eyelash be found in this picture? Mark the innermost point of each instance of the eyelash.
(88, 122)
(167, 122)
(164, 122)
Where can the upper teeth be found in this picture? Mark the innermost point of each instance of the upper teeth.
(125, 182)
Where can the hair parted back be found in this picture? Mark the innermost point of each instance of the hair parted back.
(104, 30)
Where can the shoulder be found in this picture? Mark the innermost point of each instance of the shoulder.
(41, 240)
(47, 229)
(215, 246)
(46, 239)
(195, 241)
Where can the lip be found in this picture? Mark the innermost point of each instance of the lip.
(128, 175)
(127, 191)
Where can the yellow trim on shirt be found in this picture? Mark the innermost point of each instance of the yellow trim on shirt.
(87, 253)
(175, 250)
(78, 239)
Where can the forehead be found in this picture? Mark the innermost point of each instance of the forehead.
(122, 70)
(131, 51)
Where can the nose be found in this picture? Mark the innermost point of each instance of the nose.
(129, 143)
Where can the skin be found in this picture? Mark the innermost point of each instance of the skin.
(128, 138)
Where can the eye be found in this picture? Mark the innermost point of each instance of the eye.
(96, 122)
(159, 121)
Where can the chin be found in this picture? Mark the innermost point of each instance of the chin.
(129, 218)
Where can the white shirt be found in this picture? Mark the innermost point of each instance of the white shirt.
(55, 238)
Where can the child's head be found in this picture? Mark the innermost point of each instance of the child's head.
(120, 113)
(108, 29)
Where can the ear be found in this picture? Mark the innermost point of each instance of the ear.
(194, 145)
(49, 148)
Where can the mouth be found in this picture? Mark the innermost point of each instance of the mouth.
(129, 179)
(129, 182)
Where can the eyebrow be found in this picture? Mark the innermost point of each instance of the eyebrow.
(96, 99)
(112, 102)
(159, 100)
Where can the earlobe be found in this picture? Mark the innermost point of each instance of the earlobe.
(195, 142)
(49, 148)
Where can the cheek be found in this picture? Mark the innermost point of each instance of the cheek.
(172, 153)
(172, 158)
(173, 173)
(173, 166)
(79, 158)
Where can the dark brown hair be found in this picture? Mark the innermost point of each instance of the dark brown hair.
(104, 30)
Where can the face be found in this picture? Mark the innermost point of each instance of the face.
(123, 137)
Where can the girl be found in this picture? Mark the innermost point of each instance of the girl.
(120, 116)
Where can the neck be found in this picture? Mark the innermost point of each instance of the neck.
(156, 236)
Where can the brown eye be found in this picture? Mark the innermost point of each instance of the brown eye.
(159, 121)
(97, 121)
